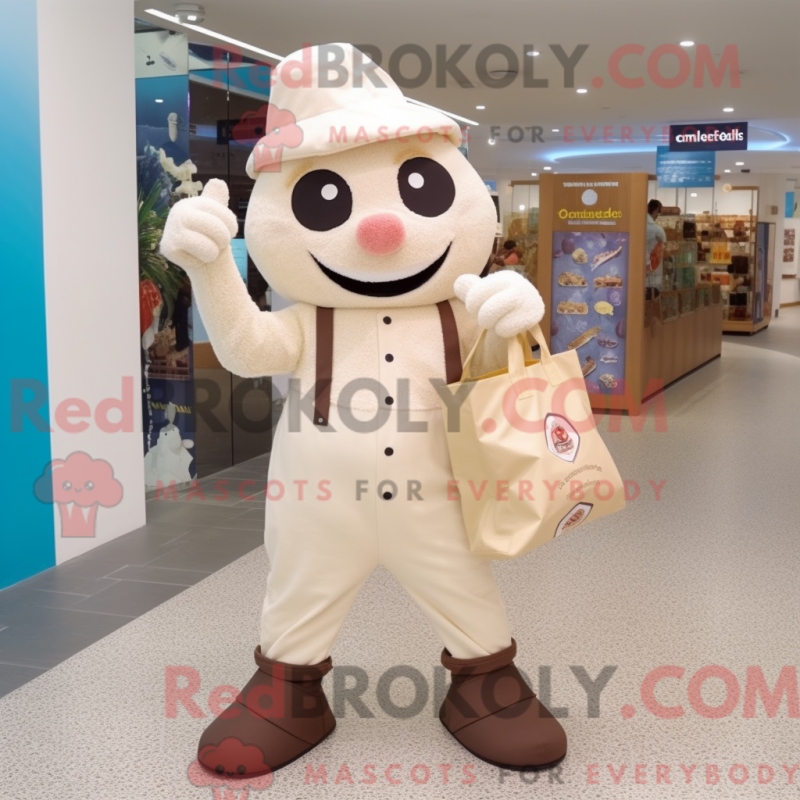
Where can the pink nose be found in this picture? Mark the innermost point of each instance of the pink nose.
(381, 234)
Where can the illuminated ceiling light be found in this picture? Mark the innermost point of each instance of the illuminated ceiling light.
(159, 100)
(548, 168)
(533, 53)
(693, 194)
(491, 141)
(480, 108)
(274, 56)
(534, 174)
(740, 163)
(727, 170)
(213, 34)
(581, 91)
(727, 109)
(687, 43)
(190, 12)
(555, 130)
(522, 208)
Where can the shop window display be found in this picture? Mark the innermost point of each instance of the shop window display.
(165, 173)
(734, 251)
(198, 116)
(737, 253)
(226, 119)
(684, 281)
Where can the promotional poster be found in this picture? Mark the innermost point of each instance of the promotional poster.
(590, 293)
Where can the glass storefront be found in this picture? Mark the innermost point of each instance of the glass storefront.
(200, 109)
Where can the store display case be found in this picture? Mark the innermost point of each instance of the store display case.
(679, 256)
(735, 253)
(685, 277)
(687, 301)
(670, 306)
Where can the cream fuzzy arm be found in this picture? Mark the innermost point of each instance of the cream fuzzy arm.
(248, 342)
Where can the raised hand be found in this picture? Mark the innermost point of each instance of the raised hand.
(199, 229)
(503, 301)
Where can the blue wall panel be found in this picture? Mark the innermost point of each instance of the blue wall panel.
(27, 536)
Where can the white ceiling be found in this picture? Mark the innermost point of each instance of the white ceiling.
(765, 34)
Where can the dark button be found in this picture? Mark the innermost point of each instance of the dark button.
(389, 357)
(387, 320)
(389, 451)
(389, 401)
(387, 495)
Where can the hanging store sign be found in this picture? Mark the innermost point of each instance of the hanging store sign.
(708, 136)
(676, 170)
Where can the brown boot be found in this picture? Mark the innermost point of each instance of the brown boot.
(491, 711)
(281, 714)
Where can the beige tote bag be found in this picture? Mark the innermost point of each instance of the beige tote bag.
(528, 461)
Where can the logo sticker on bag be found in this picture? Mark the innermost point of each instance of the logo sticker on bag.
(562, 439)
(576, 517)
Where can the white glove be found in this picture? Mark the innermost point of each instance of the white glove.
(504, 301)
(198, 229)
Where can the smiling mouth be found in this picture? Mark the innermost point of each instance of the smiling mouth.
(384, 288)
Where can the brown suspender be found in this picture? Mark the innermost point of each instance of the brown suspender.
(322, 388)
(324, 368)
(452, 349)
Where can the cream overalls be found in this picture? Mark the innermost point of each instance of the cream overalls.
(376, 495)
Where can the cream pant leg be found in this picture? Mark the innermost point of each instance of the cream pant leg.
(323, 547)
(424, 544)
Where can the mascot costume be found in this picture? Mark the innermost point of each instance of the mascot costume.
(368, 217)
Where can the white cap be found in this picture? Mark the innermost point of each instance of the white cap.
(348, 110)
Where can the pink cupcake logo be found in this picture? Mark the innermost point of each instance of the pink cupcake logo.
(250, 127)
(282, 131)
(231, 770)
(79, 485)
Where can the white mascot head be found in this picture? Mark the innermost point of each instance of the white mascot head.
(361, 197)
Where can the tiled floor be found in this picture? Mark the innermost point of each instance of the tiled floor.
(54, 615)
(703, 576)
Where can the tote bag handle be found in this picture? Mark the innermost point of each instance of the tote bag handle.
(517, 349)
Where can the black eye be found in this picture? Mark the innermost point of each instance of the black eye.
(66, 486)
(220, 770)
(88, 486)
(241, 769)
(426, 187)
(322, 200)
